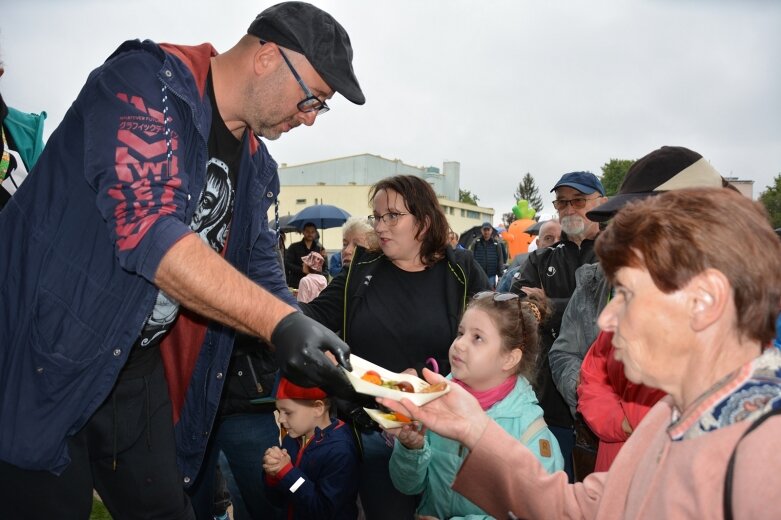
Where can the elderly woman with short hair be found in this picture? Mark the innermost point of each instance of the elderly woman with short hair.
(698, 290)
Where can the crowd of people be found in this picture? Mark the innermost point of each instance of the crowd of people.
(160, 345)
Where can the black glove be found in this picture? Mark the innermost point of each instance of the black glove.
(300, 344)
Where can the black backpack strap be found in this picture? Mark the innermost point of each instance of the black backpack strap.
(731, 465)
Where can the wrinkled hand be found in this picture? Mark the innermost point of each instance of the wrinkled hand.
(410, 435)
(301, 345)
(274, 460)
(456, 415)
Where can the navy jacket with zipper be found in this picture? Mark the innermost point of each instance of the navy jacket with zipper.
(322, 478)
(82, 240)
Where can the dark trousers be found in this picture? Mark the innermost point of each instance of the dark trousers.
(242, 439)
(566, 438)
(125, 451)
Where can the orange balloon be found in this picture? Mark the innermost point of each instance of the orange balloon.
(518, 241)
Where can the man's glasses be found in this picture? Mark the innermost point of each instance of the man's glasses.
(389, 219)
(310, 103)
(578, 203)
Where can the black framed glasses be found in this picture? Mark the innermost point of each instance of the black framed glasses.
(310, 103)
(577, 203)
(390, 219)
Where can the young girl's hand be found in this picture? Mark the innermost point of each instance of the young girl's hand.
(456, 415)
(410, 435)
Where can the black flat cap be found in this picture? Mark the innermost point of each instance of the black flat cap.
(304, 28)
(668, 168)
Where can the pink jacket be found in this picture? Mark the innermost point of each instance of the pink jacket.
(652, 478)
(310, 287)
(606, 396)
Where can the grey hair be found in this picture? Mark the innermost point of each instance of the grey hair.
(360, 225)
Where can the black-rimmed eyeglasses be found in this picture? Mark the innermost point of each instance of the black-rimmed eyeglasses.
(389, 219)
(310, 103)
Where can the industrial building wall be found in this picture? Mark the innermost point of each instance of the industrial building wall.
(355, 200)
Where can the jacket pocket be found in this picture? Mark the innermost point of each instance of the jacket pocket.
(63, 347)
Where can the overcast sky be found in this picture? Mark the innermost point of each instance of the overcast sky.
(503, 87)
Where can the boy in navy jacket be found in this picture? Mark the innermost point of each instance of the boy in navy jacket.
(315, 472)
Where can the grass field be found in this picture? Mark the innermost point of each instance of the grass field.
(99, 511)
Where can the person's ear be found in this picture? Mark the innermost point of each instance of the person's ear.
(320, 408)
(512, 359)
(709, 294)
(265, 58)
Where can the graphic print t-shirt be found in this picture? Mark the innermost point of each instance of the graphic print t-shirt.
(212, 217)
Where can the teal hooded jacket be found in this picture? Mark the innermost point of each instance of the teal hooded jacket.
(432, 469)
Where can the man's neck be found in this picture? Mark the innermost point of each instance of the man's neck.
(221, 89)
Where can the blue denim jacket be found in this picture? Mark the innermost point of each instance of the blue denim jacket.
(83, 237)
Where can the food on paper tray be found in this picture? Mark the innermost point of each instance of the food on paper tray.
(373, 380)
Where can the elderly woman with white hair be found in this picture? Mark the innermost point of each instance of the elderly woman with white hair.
(698, 291)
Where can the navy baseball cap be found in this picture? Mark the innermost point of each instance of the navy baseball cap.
(304, 28)
(486, 225)
(585, 182)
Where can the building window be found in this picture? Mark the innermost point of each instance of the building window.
(300, 201)
(473, 214)
(463, 213)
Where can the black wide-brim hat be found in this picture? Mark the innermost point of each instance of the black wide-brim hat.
(668, 168)
(304, 28)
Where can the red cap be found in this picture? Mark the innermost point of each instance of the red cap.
(288, 390)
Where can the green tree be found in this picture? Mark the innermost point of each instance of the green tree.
(613, 173)
(467, 197)
(771, 199)
(527, 190)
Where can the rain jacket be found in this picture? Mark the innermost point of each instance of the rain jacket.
(606, 396)
(83, 237)
(432, 469)
(27, 133)
(322, 479)
(578, 330)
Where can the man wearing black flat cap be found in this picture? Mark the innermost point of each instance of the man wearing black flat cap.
(137, 248)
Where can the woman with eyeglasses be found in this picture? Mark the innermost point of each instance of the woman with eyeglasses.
(399, 307)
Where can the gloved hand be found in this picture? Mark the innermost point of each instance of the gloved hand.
(300, 344)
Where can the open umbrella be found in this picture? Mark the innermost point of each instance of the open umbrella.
(284, 224)
(323, 216)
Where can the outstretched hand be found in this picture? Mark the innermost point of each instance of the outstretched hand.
(456, 415)
(303, 347)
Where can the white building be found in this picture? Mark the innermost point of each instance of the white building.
(345, 182)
